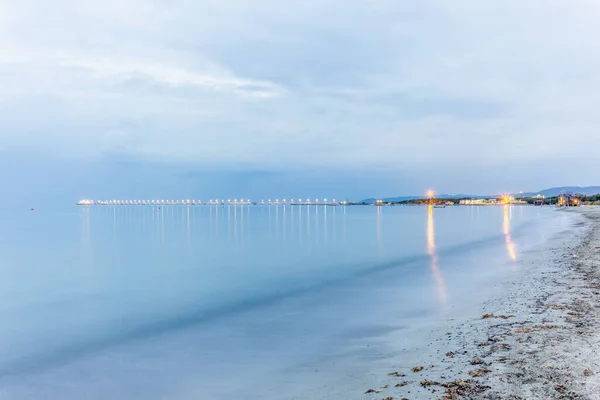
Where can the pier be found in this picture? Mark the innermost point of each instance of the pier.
(213, 202)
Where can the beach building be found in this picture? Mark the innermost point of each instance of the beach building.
(569, 200)
(478, 202)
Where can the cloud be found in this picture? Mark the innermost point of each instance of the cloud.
(320, 84)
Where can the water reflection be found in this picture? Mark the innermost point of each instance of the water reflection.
(437, 274)
(379, 215)
(510, 246)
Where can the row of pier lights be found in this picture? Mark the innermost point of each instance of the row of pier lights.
(212, 202)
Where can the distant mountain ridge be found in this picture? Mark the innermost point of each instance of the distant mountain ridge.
(555, 191)
(550, 192)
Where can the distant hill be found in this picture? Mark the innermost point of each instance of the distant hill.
(555, 191)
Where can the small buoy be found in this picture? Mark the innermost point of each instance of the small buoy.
(32, 209)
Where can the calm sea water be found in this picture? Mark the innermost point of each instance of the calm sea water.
(241, 302)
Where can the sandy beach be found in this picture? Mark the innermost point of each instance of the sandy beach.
(538, 340)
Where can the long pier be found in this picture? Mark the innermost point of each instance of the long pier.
(212, 202)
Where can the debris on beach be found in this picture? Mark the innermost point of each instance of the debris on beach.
(486, 316)
(462, 388)
(490, 341)
(401, 384)
(450, 354)
(372, 391)
(524, 330)
(503, 346)
(427, 382)
(556, 306)
(534, 327)
(479, 372)
(417, 369)
(396, 373)
(548, 326)
(476, 361)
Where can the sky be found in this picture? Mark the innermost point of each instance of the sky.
(320, 98)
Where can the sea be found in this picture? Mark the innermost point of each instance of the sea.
(243, 302)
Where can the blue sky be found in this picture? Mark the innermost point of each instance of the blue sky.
(239, 98)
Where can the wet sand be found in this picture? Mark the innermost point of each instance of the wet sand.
(539, 340)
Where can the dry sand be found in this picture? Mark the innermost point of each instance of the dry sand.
(540, 340)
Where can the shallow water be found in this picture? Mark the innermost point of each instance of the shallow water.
(247, 302)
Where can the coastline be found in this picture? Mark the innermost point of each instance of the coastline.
(537, 340)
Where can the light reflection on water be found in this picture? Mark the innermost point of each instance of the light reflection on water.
(510, 246)
(437, 273)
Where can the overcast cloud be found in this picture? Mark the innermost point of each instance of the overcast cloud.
(444, 92)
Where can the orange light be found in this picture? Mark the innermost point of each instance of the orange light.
(437, 273)
(430, 193)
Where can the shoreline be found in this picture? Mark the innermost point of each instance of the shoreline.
(536, 340)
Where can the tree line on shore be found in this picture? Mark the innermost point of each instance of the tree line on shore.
(553, 200)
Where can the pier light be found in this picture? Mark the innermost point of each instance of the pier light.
(325, 200)
(284, 200)
(276, 200)
(430, 193)
(316, 200)
(308, 200)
